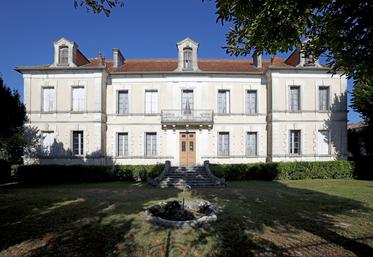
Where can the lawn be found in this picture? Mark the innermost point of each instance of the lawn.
(292, 218)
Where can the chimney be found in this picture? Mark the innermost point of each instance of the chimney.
(257, 59)
(118, 59)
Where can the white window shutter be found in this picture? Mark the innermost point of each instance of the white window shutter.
(323, 142)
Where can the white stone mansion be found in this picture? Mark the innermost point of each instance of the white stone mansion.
(186, 110)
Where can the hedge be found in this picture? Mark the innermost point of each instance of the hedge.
(285, 170)
(45, 174)
(5, 171)
(137, 172)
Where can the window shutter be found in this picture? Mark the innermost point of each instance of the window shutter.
(227, 104)
(251, 144)
(148, 101)
(251, 102)
(154, 102)
(323, 142)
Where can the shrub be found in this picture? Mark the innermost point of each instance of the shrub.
(284, 170)
(5, 172)
(41, 174)
(137, 172)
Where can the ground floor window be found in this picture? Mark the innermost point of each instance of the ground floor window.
(251, 143)
(78, 142)
(151, 144)
(323, 142)
(223, 144)
(122, 144)
(294, 142)
(48, 140)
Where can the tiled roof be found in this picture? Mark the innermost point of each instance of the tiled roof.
(170, 65)
(205, 65)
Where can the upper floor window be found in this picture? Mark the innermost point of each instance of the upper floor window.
(188, 58)
(63, 53)
(122, 102)
(294, 98)
(48, 96)
(78, 142)
(151, 101)
(294, 142)
(251, 101)
(187, 103)
(323, 98)
(78, 99)
(223, 101)
(223, 144)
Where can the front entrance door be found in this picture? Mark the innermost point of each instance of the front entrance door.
(187, 149)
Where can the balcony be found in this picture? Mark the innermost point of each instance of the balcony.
(187, 117)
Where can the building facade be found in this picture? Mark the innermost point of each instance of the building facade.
(186, 110)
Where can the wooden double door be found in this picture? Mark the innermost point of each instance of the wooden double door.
(187, 149)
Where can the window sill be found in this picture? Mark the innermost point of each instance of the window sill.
(77, 112)
(47, 112)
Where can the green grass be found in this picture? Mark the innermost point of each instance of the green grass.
(292, 218)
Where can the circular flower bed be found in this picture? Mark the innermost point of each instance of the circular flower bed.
(176, 214)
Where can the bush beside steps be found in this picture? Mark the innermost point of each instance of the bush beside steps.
(285, 170)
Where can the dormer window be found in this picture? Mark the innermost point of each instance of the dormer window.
(188, 59)
(309, 60)
(63, 55)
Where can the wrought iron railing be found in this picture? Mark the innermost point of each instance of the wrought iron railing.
(187, 116)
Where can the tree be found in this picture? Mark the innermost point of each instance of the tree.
(98, 6)
(340, 30)
(12, 117)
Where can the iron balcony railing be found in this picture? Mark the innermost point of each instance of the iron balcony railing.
(172, 117)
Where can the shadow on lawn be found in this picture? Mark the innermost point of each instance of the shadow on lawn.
(102, 220)
(285, 212)
(86, 220)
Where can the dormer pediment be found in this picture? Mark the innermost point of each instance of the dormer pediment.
(64, 53)
(187, 55)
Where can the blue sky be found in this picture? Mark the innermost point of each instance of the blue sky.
(141, 29)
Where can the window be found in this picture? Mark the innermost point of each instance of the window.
(223, 144)
(122, 144)
(78, 99)
(78, 142)
(251, 98)
(122, 102)
(251, 143)
(294, 142)
(151, 144)
(294, 98)
(48, 99)
(187, 100)
(188, 63)
(151, 101)
(223, 101)
(63, 55)
(47, 141)
(323, 98)
(323, 142)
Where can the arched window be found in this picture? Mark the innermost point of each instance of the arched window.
(188, 59)
(63, 55)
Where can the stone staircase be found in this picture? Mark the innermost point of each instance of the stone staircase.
(180, 177)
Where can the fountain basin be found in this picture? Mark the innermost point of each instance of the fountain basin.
(173, 214)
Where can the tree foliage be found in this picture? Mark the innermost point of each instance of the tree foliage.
(12, 117)
(340, 30)
(98, 6)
